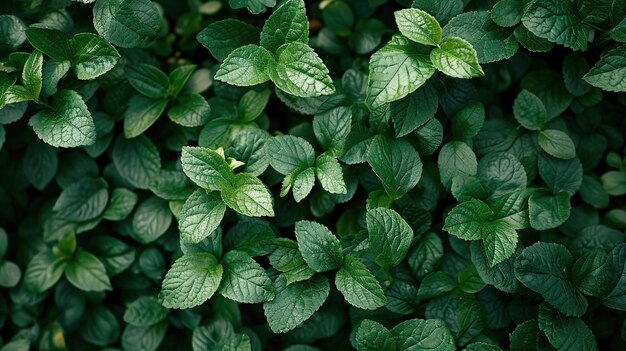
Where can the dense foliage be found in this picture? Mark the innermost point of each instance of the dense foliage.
(330, 175)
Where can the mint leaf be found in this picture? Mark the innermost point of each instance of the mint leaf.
(192, 280)
(389, 236)
(372, 336)
(456, 158)
(205, 167)
(544, 268)
(43, 271)
(137, 160)
(145, 311)
(83, 200)
(456, 58)
(300, 72)
(148, 80)
(248, 196)
(223, 37)
(328, 171)
(127, 23)
(557, 143)
(529, 111)
(396, 163)
(358, 285)
(290, 153)
(419, 26)
(52, 42)
(295, 303)
(418, 334)
(245, 66)
(396, 70)
(557, 21)
(67, 123)
(141, 114)
(287, 24)
(200, 216)
(92, 56)
(319, 247)
(32, 75)
(332, 129)
(87, 273)
(609, 73)
(564, 331)
(244, 279)
(548, 211)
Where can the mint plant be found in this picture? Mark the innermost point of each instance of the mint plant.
(312, 175)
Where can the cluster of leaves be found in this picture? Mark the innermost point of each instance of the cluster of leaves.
(159, 162)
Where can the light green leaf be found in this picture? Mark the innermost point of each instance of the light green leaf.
(389, 236)
(67, 124)
(610, 72)
(86, 272)
(244, 279)
(396, 70)
(456, 58)
(328, 171)
(287, 24)
(247, 195)
(557, 143)
(614, 182)
(529, 111)
(245, 66)
(544, 268)
(200, 216)
(127, 23)
(295, 303)
(290, 153)
(319, 247)
(192, 280)
(92, 56)
(419, 26)
(303, 183)
(43, 271)
(32, 75)
(300, 72)
(396, 163)
(205, 167)
(358, 285)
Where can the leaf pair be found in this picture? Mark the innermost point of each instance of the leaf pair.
(159, 90)
(283, 56)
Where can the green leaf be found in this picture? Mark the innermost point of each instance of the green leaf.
(249, 196)
(328, 171)
(507, 13)
(295, 303)
(491, 42)
(396, 164)
(10, 274)
(557, 143)
(144, 338)
(83, 200)
(244, 279)
(92, 56)
(127, 23)
(86, 272)
(529, 111)
(290, 153)
(332, 129)
(245, 66)
(614, 182)
(373, 336)
(560, 175)
(468, 121)
(252, 104)
(415, 110)
(200, 216)
(286, 258)
(547, 211)
(41, 161)
(120, 205)
(358, 285)
(396, 70)
(179, 77)
(456, 58)
(300, 72)
(610, 72)
(151, 219)
(148, 80)
(557, 21)
(220, 335)
(544, 268)
(145, 311)
(32, 75)
(141, 113)
(303, 183)
(67, 124)
(501, 173)
(574, 68)
(223, 37)
(43, 271)
(456, 158)
(564, 332)
(419, 26)
(192, 280)
(389, 236)
(420, 334)
(137, 160)
(51, 42)
(207, 168)
(319, 247)
(287, 24)
(532, 42)
(190, 110)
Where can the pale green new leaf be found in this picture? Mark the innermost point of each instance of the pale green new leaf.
(247, 195)
(205, 167)
(456, 58)
(92, 56)
(200, 216)
(192, 280)
(329, 173)
(288, 23)
(245, 66)
(419, 26)
(300, 72)
(86, 272)
(290, 153)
